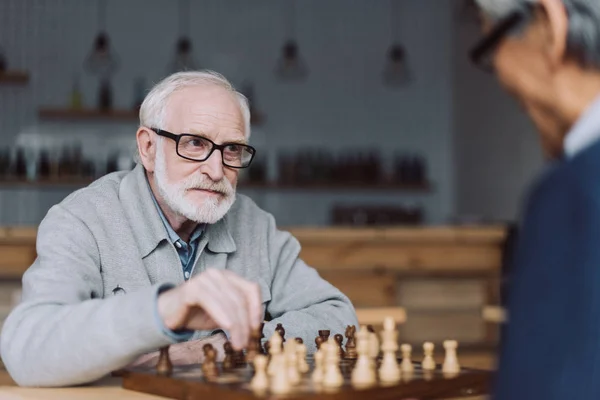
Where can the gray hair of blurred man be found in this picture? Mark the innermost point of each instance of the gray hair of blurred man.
(153, 110)
(583, 40)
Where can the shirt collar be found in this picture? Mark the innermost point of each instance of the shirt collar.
(585, 131)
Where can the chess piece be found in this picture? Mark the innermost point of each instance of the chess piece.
(363, 374)
(389, 372)
(253, 345)
(406, 365)
(428, 363)
(350, 353)
(317, 376)
(324, 334)
(266, 347)
(239, 359)
(339, 339)
(228, 362)
(373, 347)
(279, 328)
(318, 342)
(260, 381)
(451, 364)
(279, 381)
(291, 361)
(209, 367)
(299, 340)
(274, 351)
(164, 365)
(333, 376)
(301, 358)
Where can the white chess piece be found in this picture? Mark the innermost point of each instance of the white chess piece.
(274, 350)
(279, 383)
(428, 362)
(363, 374)
(317, 375)
(451, 364)
(389, 372)
(301, 356)
(260, 381)
(406, 365)
(333, 376)
(291, 361)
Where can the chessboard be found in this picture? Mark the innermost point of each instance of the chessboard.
(281, 369)
(188, 383)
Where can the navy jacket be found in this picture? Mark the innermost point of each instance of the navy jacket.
(551, 345)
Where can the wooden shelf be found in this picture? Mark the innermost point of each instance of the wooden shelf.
(14, 77)
(88, 114)
(44, 183)
(332, 186)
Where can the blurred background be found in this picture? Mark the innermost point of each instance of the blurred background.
(379, 90)
(365, 114)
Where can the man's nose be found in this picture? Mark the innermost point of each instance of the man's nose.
(213, 166)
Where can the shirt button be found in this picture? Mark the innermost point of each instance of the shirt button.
(187, 275)
(178, 245)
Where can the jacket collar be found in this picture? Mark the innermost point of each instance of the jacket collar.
(148, 229)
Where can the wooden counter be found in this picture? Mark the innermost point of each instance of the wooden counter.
(443, 276)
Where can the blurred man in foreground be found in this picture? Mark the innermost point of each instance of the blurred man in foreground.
(547, 54)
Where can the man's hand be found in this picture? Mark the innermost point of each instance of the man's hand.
(214, 299)
(185, 353)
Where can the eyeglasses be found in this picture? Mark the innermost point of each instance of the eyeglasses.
(482, 53)
(199, 148)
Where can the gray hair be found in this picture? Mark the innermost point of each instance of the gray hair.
(583, 38)
(153, 109)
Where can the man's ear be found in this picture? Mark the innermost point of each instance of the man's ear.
(557, 26)
(147, 147)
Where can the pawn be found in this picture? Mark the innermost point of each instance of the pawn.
(339, 339)
(451, 364)
(406, 365)
(317, 376)
(301, 358)
(164, 365)
(260, 381)
(279, 328)
(228, 362)
(428, 364)
(318, 342)
(209, 367)
(373, 344)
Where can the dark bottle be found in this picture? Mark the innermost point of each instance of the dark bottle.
(44, 165)
(20, 164)
(105, 96)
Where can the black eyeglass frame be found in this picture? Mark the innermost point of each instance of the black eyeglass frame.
(492, 39)
(220, 147)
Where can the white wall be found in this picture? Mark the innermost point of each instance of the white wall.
(343, 103)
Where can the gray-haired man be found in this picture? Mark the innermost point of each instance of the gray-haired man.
(164, 254)
(547, 54)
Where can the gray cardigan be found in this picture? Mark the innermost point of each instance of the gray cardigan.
(89, 299)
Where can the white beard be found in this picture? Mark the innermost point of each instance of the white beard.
(174, 194)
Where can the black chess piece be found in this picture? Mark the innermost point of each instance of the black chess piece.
(164, 365)
(228, 360)
(279, 328)
(339, 339)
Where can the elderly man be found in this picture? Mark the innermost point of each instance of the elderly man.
(547, 54)
(165, 254)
